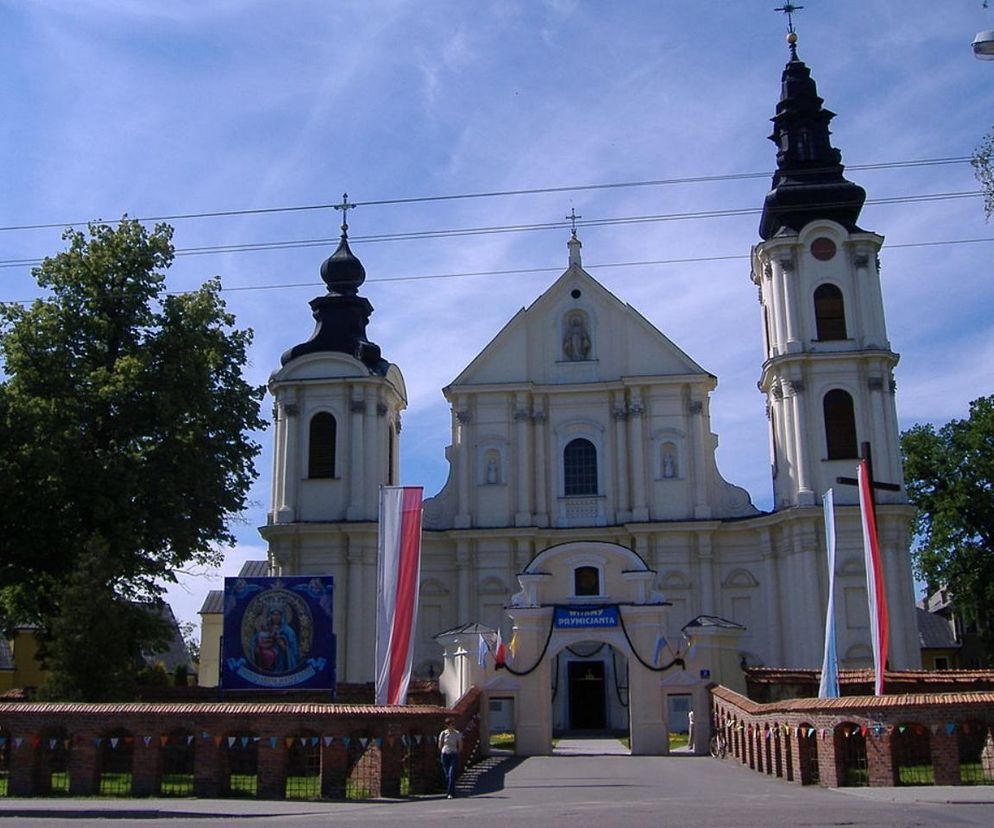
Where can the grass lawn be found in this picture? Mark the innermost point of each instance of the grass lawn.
(974, 773)
(241, 784)
(303, 787)
(176, 784)
(502, 741)
(915, 775)
(115, 784)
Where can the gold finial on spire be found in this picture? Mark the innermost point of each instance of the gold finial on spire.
(789, 9)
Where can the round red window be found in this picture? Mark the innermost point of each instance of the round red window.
(823, 249)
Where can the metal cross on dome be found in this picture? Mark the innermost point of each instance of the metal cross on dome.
(345, 206)
(789, 9)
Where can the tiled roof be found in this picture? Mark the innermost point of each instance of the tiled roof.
(783, 675)
(853, 703)
(283, 709)
(255, 569)
(214, 602)
(6, 659)
(934, 631)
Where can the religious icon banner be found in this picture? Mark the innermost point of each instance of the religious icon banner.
(278, 633)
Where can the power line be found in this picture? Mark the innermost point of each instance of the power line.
(528, 270)
(250, 247)
(703, 179)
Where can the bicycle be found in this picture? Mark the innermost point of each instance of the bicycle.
(718, 745)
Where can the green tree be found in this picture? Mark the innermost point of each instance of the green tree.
(124, 449)
(950, 479)
(983, 169)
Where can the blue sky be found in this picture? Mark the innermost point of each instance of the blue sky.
(160, 108)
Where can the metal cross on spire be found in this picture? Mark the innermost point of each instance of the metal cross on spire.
(572, 220)
(789, 9)
(345, 206)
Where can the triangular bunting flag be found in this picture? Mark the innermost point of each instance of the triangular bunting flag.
(18, 741)
(417, 738)
(273, 741)
(3, 741)
(231, 741)
(147, 740)
(313, 741)
(51, 744)
(950, 728)
(189, 738)
(245, 741)
(303, 741)
(363, 740)
(328, 740)
(901, 728)
(219, 739)
(98, 741)
(255, 739)
(346, 740)
(288, 741)
(164, 740)
(378, 741)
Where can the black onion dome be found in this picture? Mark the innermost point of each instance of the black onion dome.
(342, 271)
(808, 183)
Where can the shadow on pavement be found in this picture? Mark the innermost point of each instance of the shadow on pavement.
(487, 775)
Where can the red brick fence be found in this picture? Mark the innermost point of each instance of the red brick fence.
(270, 751)
(923, 739)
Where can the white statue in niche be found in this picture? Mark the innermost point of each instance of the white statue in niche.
(669, 461)
(493, 469)
(576, 341)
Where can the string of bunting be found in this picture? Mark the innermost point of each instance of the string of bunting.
(165, 740)
(848, 730)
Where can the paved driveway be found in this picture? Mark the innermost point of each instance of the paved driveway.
(578, 791)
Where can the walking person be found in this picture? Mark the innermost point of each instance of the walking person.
(449, 743)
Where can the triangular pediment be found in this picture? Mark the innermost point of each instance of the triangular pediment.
(577, 331)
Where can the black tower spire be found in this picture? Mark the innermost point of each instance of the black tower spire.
(342, 315)
(808, 183)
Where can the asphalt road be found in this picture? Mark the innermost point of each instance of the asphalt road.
(579, 791)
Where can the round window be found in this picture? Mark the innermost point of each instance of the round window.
(823, 249)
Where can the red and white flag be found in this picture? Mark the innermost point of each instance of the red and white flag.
(875, 591)
(399, 571)
(500, 651)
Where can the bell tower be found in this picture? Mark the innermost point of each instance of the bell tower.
(828, 368)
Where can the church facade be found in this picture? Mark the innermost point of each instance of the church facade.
(583, 474)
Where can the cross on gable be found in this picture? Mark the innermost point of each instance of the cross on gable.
(572, 219)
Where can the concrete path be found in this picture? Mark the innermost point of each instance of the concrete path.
(604, 790)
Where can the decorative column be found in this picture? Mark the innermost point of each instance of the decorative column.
(357, 410)
(619, 413)
(354, 627)
(523, 462)
(463, 564)
(805, 494)
(636, 412)
(702, 509)
(706, 568)
(778, 332)
(786, 262)
(289, 477)
(541, 482)
(463, 419)
(772, 597)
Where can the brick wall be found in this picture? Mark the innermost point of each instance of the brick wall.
(360, 750)
(869, 740)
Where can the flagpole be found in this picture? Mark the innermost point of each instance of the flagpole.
(829, 686)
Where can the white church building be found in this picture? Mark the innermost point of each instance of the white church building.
(583, 478)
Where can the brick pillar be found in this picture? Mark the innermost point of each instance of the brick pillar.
(23, 778)
(945, 757)
(83, 765)
(206, 769)
(828, 759)
(271, 781)
(146, 767)
(334, 764)
(880, 760)
(391, 761)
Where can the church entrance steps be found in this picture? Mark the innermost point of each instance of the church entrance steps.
(587, 745)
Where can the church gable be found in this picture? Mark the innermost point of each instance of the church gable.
(577, 332)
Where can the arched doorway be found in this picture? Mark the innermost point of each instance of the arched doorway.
(590, 689)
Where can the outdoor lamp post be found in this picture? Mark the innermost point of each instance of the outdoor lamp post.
(983, 46)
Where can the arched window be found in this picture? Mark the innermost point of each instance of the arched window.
(586, 581)
(321, 446)
(840, 425)
(830, 313)
(580, 468)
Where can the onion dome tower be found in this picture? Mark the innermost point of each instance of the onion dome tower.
(342, 315)
(808, 182)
